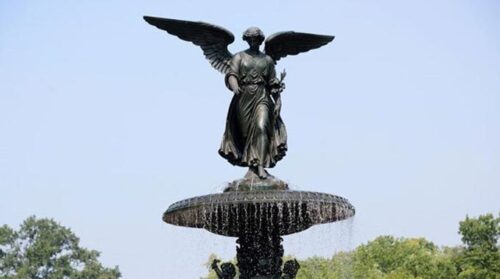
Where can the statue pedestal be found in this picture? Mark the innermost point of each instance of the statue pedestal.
(252, 182)
(259, 255)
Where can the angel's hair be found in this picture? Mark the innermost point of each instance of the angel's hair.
(253, 32)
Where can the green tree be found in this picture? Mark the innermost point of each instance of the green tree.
(394, 258)
(481, 258)
(315, 267)
(43, 249)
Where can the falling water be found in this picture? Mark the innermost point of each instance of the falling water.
(259, 218)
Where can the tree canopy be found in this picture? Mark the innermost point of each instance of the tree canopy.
(481, 257)
(43, 249)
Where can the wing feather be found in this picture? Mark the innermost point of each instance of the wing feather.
(281, 44)
(212, 39)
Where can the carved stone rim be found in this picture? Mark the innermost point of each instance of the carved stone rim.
(265, 196)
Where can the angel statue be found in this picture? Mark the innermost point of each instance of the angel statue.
(255, 135)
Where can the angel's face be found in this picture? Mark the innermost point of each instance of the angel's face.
(254, 42)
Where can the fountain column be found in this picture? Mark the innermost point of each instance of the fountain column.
(259, 255)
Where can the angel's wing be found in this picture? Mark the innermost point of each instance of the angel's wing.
(281, 44)
(212, 39)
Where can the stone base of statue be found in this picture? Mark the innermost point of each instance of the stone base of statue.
(252, 182)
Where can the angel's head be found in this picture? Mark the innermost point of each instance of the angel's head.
(254, 37)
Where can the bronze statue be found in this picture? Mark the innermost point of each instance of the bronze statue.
(255, 135)
(290, 269)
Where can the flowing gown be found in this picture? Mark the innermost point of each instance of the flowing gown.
(254, 136)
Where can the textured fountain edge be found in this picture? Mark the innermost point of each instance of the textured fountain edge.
(264, 196)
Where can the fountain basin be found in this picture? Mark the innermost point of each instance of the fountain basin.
(238, 213)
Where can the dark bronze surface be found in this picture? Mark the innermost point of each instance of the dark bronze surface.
(237, 213)
(255, 135)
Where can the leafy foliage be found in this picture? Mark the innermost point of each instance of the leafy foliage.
(481, 257)
(42, 248)
(388, 257)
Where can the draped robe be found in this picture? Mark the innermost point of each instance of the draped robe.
(254, 136)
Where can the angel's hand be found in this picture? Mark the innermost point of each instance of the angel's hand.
(282, 87)
(233, 84)
(278, 89)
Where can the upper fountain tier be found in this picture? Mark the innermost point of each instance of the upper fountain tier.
(236, 213)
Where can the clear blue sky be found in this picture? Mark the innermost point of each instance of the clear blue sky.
(105, 121)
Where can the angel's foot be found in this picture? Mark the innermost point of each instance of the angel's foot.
(261, 172)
